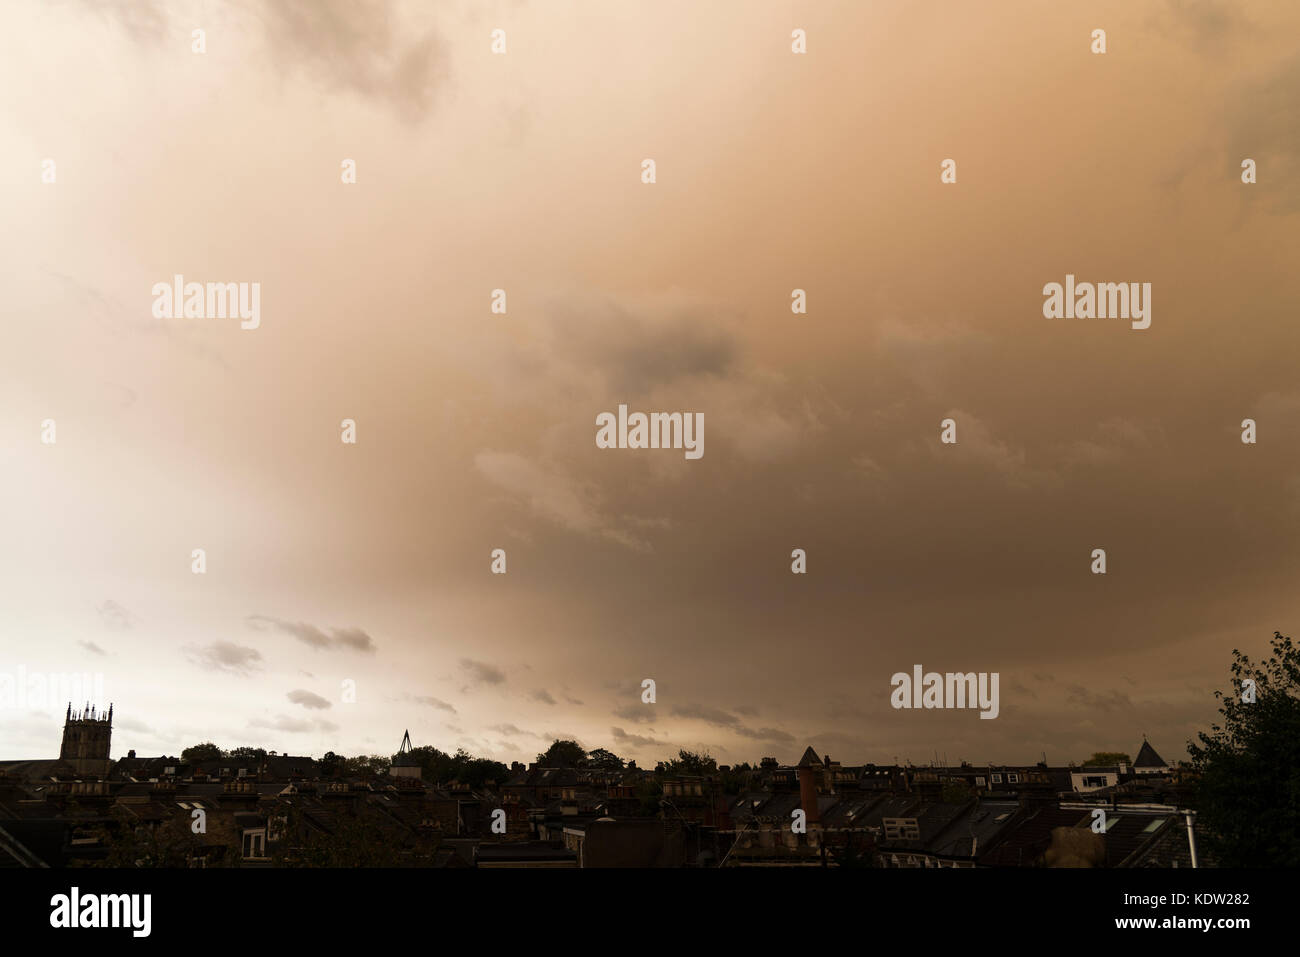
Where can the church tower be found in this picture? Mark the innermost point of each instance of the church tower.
(86, 737)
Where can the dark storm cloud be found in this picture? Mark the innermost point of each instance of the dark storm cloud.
(626, 739)
(767, 734)
(1097, 701)
(638, 353)
(1211, 25)
(722, 719)
(639, 713)
(363, 47)
(1265, 126)
(713, 716)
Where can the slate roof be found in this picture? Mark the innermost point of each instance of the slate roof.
(1025, 844)
(1147, 757)
(37, 770)
(974, 829)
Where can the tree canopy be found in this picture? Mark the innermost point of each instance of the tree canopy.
(689, 762)
(562, 754)
(207, 751)
(1106, 758)
(604, 760)
(1248, 792)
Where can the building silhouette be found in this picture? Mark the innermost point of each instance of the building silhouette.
(86, 738)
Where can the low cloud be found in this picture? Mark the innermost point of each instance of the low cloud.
(226, 656)
(308, 700)
(114, 615)
(316, 637)
(433, 703)
(482, 673)
(640, 714)
(625, 739)
(283, 722)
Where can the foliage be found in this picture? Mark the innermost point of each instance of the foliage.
(1101, 759)
(130, 843)
(562, 754)
(207, 751)
(1248, 793)
(438, 767)
(603, 760)
(689, 762)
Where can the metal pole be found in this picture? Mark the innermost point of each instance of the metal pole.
(1191, 835)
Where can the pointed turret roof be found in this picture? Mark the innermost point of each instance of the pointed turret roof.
(404, 759)
(1147, 757)
(809, 759)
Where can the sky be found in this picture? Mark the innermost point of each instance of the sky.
(368, 565)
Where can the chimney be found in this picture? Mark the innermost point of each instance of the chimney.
(808, 767)
(808, 795)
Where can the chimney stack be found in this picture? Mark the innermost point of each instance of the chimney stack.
(808, 767)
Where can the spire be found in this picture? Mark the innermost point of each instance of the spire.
(69, 710)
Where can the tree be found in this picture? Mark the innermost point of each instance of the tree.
(603, 760)
(365, 766)
(689, 762)
(330, 764)
(251, 755)
(130, 843)
(207, 751)
(1249, 766)
(477, 772)
(1107, 758)
(562, 754)
(649, 793)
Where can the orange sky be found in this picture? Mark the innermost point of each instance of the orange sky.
(476, 431)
